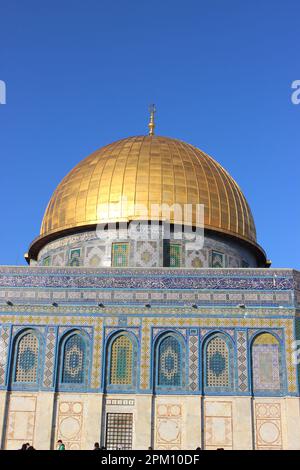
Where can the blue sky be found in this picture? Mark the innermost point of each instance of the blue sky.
(80, 75)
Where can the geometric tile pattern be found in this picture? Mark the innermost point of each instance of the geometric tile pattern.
(242, 362)
(4, 343)
(120, 254)
(27, 359)
(169, 362)
(121, 361)
(74, 359)
(217, 363)
(175, 255)
(266, 367)
(97, 353)
(193, 362)
(49, 357)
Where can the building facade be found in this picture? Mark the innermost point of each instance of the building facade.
(153, 340)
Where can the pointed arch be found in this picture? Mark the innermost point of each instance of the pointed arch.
(170, 362)
(26, 358)
(73, 370)
(121, 361)
(266, 362)
(218, 370)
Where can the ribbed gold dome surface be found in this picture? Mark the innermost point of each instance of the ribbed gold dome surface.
(148, 170)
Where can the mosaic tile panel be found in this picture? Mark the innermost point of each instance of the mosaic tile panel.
(266, 363)
(175, 255)
(242, 362)
(217, 363)
(49, 357)
(193, 362)
(4, 344)
(74, 258)
(169, 364)
(120, 254)
(27, 357)
(74, 360)
(121, 361)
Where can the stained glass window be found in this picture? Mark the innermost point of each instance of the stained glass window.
(74, 360)
(217, 363)
(27, 359)
(169, 362)
(120, 252)
(121, 361)
(266, 363)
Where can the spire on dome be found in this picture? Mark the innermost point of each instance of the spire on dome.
(151, 124)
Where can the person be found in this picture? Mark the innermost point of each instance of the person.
(150, 448)
(60, 445)
(96, 446)
(24, 447)
(198, 448)
(30, 448)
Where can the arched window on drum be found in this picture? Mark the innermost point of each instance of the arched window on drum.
(266, 364)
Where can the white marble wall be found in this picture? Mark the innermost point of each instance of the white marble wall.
(164, 422)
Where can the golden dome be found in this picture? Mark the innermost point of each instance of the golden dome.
(147, 170)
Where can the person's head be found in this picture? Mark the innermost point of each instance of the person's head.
(30, 448)
(96, 445)
(24, 447)
(150, 448)
(198, 448)
(59, 441)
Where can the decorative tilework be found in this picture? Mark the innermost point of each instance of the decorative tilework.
(217, 259)
(74, 259)
(27, 359)
(74, 357)
(49, 357)
(46, 261)
(4, 343)
(169, 362)
(97, 350)
(121, 361)
(217, 363)
(193, 361)
(175, 255)
(120, 253)
(137, 278)
(242, 362)
(266, 363)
